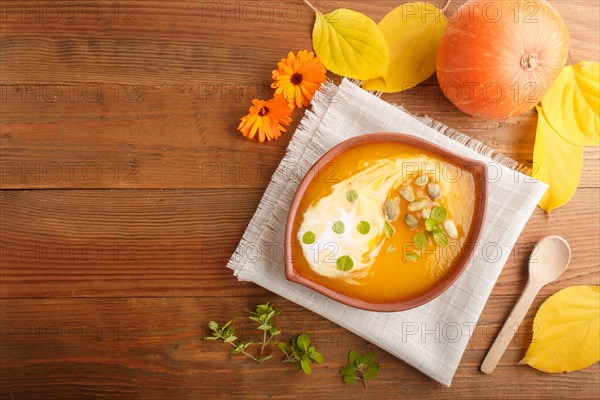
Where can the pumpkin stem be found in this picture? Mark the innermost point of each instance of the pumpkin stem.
(529, 62)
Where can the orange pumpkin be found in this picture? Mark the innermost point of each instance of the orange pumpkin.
(498, 58)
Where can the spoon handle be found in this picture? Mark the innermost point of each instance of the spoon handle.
(510, 327)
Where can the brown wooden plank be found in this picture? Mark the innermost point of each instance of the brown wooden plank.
(184, 137)
(150, 348)
(152, 42)
(175, 243)
(95, 102)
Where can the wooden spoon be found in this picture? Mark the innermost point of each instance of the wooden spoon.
(547, 262)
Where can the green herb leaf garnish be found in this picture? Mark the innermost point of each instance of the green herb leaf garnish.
(388, 229)
(439, 236)
(439, 214)
(363, 227)
(263, 316)
(412, 257)
(308, 237)
(301, 353)
(338, 227)
(353, 357)
(362, 368)
(391, 248)
(421, 240)
(345, 263)
(352, 195)
(429, 224)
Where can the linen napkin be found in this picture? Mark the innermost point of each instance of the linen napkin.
(432, 337)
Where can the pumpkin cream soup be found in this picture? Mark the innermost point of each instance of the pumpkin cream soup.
(387, 226)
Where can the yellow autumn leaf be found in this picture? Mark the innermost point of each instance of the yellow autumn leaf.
(412, 32)
(572, 105)
(557, 163)
(350, 44)
(566, 337)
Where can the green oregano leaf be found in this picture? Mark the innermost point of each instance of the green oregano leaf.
(421, 240)
(308, 237)
(345, 263)
(284, 348)
(388, 229)
(352, 195)
(363, 227)
(305, 364)
(368, 358)
(318, 357)
(303, 341)
(372, 371)
(439, 214)
(412, 257)
(338, 227)
(440, 237)
(354, 357)
(429, 224)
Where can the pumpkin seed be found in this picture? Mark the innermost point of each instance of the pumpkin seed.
(417, 205)
(391, 210)
(422, 180)
(426, 213)
(411, 221)
(450, 228)
(407, 193)
(434, 190)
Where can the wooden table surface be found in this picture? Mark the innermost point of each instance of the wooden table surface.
(126, 189)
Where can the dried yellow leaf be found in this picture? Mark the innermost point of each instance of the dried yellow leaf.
(566, 334)
(557, 163)
(412, 32)
(572, 105)
(350, 44)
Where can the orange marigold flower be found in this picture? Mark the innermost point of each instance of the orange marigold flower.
(298, 77)
(268, 118)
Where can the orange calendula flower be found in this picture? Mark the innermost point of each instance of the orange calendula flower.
(298, 77)
(268, 118)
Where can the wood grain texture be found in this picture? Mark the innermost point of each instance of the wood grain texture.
(161, 111)
(151, 348)
(130, 110)
(95, 243)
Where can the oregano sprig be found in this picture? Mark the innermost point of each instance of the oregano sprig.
(263, 315)
(362, 368)
(301, 353)
(227, 334)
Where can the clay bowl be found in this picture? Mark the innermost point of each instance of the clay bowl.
(477, 168)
